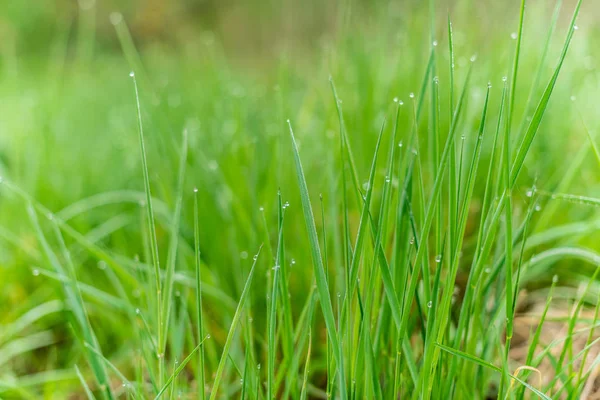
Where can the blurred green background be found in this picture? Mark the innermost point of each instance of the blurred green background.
(231, 73)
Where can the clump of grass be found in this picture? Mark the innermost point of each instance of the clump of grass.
(407, 286)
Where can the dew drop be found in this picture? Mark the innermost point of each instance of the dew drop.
(395, 99)
(576, 27)
(195, 190)
(293, 261)
(261, 209)
(412, 240)
(504, 79)
(255, 257)
(208, 336)
(115, 17)
(435, 43)
(573, 98)
(50, 216)
(538, 207)
(132, 74)
(513, 35)
(411, 95)
(489, 85)
(429, 304)
(436, 79)
(137, 311)
(529, 193)
(400, 144)
(438, 258)
(473, 58)
(36, 272)
(555, 279)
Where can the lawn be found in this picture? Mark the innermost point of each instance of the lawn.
(268, 200)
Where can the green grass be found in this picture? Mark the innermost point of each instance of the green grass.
(371, 218)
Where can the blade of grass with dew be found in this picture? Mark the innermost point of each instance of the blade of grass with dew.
(151, 227)
(536, 120)
(318, 268)
(272, 318)
(200, 320)
(230, 335)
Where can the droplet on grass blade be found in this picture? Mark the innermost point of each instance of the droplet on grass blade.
(36, 272)
(429, 304)
(513, 35)
(115, 17)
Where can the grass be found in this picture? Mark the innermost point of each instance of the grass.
(371, 219)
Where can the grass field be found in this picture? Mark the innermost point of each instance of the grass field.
(338, 200)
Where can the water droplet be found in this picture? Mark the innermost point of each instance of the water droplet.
(436, 79)
(555, 278)
(473, 58)
(365, 186)
(137, 311)
(414, 151)
(538, 207)
(288, 120)
(208, 336)
(50, 216)
(195, 190)
(435, 43)
(36, 272)
(573, 98)
(244, 255)
(429, 304)
(529, 193)
(575, 27)
(438, 258)
(261, 209)
(489, 85)
(412, 240)
(387, 179)
(275, 268)
(293, 261)
(241, 381)
(513, 35)
(395, 99)
(258, 366)
(132, 74)
(115, 17)
(463, 136)
(400, 144)
(255, 257)
(504, 79)
(411, 95)
(339, 295)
